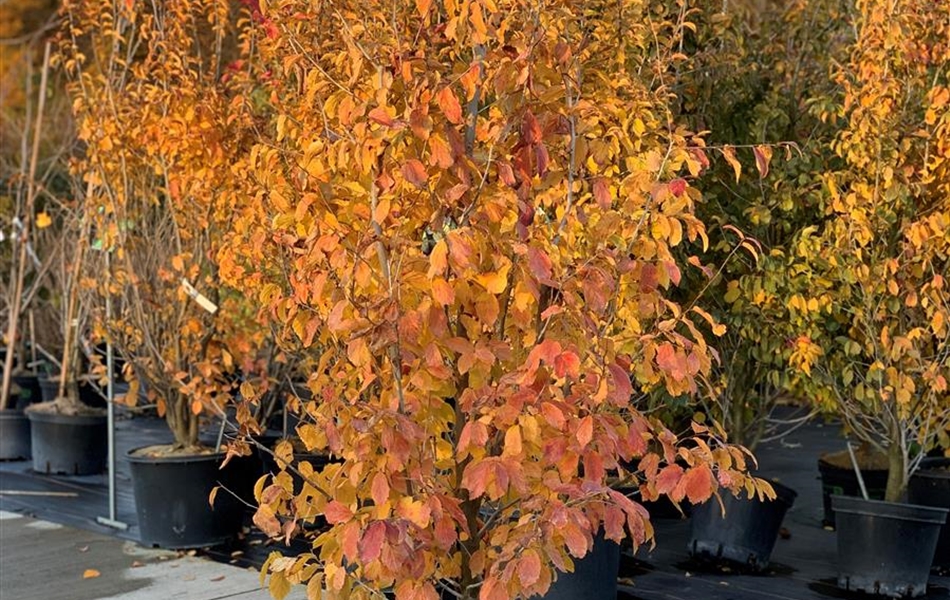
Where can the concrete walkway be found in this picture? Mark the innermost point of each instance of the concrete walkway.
(41, 559)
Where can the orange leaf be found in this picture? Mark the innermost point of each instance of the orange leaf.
(415, 172)
(336, 512)
(443, 292)
(492, 589)
(567, 364)
(602, 193)
(379, 115)
(449, 104)
(90, 574)
(423, 7)
(380, 489)
(668, 479)
(730, 155)
(414, 511)
(585, 431)
(266, 521)
(440, 152)
(529, 568)
(698, 484)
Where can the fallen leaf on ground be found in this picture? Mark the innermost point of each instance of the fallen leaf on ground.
(90, 574)
(83, 548)
(218, 578)
(136, 564)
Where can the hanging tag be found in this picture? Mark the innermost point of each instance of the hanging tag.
(200, 298)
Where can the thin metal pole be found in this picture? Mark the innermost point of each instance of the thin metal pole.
(112, 520)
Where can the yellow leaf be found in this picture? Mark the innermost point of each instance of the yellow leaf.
(938, 322)
(729, 153)
(43, 221)
(90, 574)
(660, 228)
(495, 282)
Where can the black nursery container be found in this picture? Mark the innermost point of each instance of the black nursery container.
(14, 435)
(594, 576)
(68, 444)
(746, 535)
(930, 486)
(885, 548)
(838, 481)
(171, 500)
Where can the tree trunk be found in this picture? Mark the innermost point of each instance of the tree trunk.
(896, 474)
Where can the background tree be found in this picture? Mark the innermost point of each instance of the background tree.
(883, 252)
(153, 115)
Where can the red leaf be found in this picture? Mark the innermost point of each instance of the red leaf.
(336, 512)
(450, 106)
(567, 363)
(506, 174)
(415, 172)
(530, 129)
(371, 543)
(649, 278)
(673, 271)
(678, 186)
(540, 264)
(445, 534)
(622, 389)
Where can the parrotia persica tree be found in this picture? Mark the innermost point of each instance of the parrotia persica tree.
(159, 140)
(756, 209)
(474, 207)
(883, 251)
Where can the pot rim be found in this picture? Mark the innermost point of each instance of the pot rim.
(164, 460)
(881, 509)
(62, 419)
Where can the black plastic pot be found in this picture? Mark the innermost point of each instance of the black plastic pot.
(746, 536)
(49, 389)
(930, 486)
(836, 481)
(885, 548)
(171, 500)
(594, 576)
(68, 444)
(14, 435)
(30, 393)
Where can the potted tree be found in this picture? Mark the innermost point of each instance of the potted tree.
(43, 198)
(477, 209)
(755, 209)
(20, 124)
(156, 162)
(884, 253)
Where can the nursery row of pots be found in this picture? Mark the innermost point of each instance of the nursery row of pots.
(884, 548)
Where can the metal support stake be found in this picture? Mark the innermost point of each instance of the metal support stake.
(112, 520)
